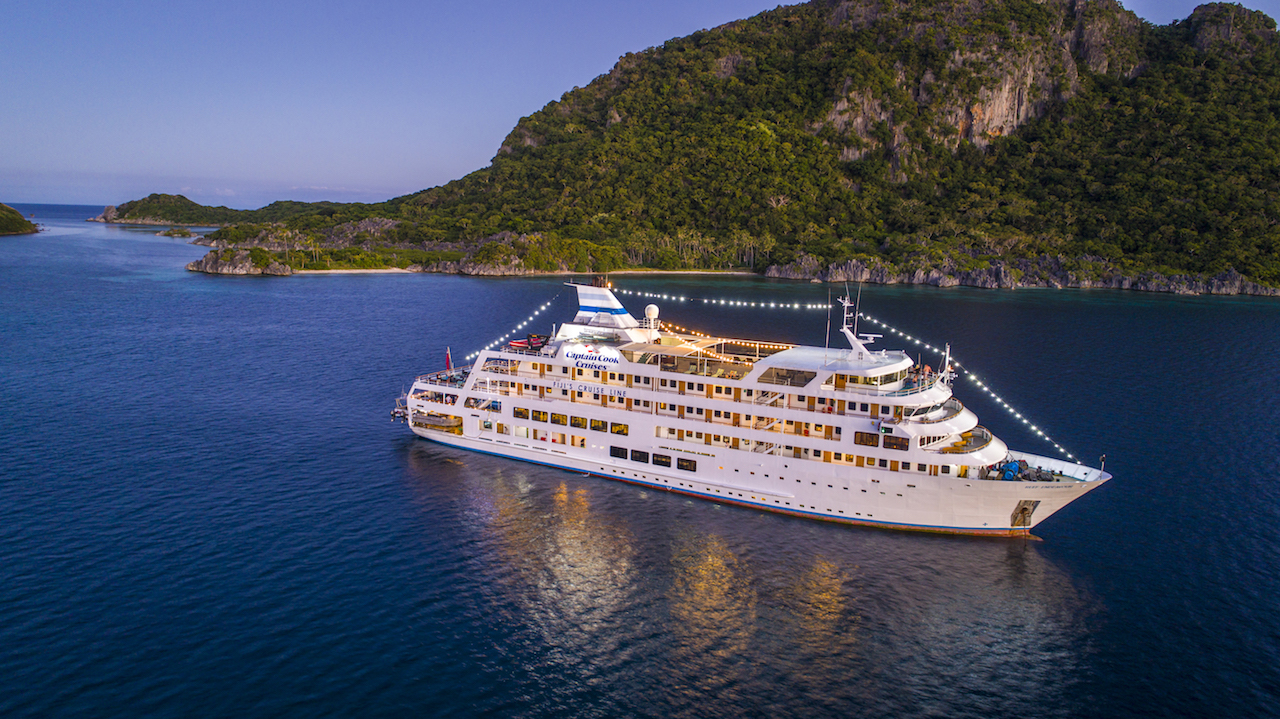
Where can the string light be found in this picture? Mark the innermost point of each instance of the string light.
(514, 330)
(981, 385)
(725, 301)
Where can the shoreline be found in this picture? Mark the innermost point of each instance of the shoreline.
(383, 271)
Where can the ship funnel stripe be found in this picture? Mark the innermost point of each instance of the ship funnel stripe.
(606, 310)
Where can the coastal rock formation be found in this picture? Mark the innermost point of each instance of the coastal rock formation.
(1046, 271)
(109, 214)
(237, 262)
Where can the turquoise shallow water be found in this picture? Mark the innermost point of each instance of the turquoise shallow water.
(205, 510)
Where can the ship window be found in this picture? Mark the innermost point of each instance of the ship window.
(619, 452)
(617, 428)
(564, 370)
(900, 443)
(638, 456)
(487, 424)
(699, 410)
(688, 465)
(595, 396)
(564, 393)
(921, 467)
(747, 393)
(599, 425)
(662, 460)
(595, 373)
(663, 383)
(884, 463)
(701, 388)
(717, 413)
(689, 410)
(539, 416)
(613, 376)
(580, 422)
(946, 469)
(646, 380)
(866, 407)
(748, 417)
(719, 389)
(699, 435)
(866, 439)
(799, 398)
(503, 429)
(646, 403)
(836, 456)
(522, 432)
(520, 413)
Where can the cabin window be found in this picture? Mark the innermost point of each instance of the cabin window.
(564, 370)
(522, 432)
(486, 424)
(619, 452)
(520, 413)
(747, 392)
(618, 428)
(612, 375)
(921, 467)
(866, 407)
(688, 465)
(662, 460)
(579, 422)
(900, 443)
(799, 398)
(638, 456)
(946, 469)
(559, 419)
(646, 380)
(884, 463)
(836, 456)
(539, 416)
(866, 439)
(595, 373)
(699, 410)
(599, 425)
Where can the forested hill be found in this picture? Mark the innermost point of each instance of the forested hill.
(13, 223)
(913, 136)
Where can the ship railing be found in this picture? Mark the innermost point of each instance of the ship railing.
(953, 408)
(767, 398)
(446, 378)
(520, 351)
(764, 447)
(971, 441)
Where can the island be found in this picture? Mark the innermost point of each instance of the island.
(13, 223)
(987, 143)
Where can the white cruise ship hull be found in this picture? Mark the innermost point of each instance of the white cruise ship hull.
(887, 499)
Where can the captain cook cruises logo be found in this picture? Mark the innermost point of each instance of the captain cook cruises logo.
(592, 357)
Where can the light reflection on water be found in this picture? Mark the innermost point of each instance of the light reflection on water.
(686, 600)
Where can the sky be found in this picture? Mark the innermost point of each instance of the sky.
(243, 103)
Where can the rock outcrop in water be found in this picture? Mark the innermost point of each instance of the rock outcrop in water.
(237, 262)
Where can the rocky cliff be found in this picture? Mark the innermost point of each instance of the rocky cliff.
(237, 262)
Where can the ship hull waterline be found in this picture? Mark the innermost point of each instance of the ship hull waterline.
(1051, 501)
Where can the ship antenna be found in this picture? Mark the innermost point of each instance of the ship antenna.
(856, 311)
(824, 353)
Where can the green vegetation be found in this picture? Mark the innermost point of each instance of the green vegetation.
(178, 232)
(910, 134)
(13, 223)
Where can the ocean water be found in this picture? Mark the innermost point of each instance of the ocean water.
(205, 510)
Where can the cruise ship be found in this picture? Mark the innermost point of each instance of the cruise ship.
(855, 435)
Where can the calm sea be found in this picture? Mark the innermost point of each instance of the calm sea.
(205, 510)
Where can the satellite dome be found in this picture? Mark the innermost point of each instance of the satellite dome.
(651, 312)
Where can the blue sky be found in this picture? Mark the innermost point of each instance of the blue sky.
(242, 103)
